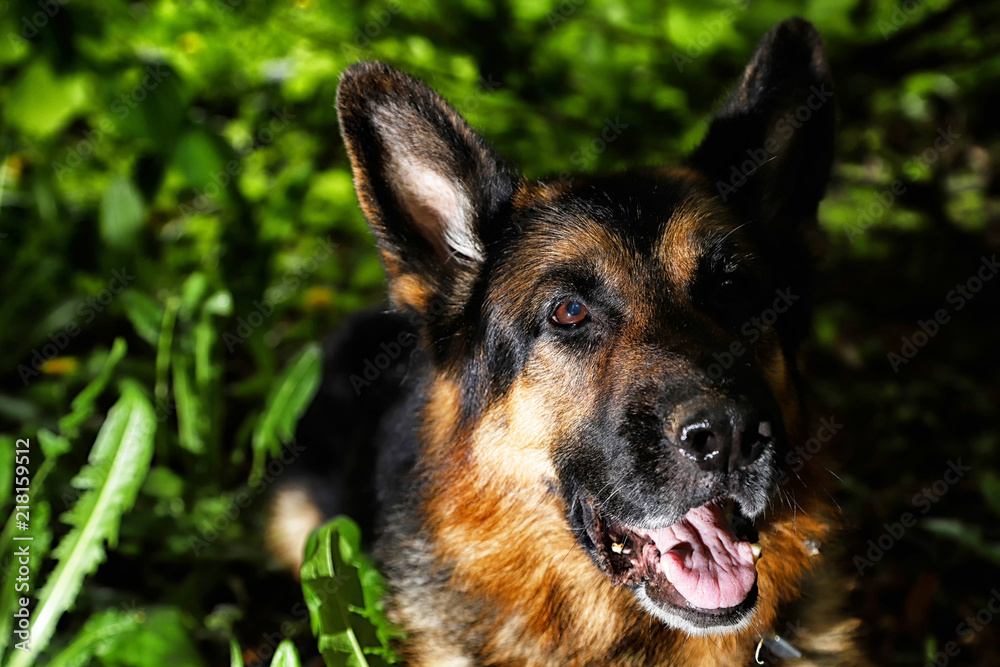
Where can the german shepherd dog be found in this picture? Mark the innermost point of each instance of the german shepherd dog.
(574, 437)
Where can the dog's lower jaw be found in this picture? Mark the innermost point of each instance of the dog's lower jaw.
(687, 627)
(503, 581)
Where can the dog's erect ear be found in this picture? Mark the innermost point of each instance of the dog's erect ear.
(768, 151)
(427, 183)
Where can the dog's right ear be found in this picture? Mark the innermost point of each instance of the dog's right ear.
(427, 183)
(769, 149)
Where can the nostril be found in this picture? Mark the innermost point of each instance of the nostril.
(753, 442)
(701, 442)
(699, 437)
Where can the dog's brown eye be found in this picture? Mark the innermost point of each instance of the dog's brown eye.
(570, 313)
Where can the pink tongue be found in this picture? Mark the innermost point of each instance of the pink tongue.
(703, 560)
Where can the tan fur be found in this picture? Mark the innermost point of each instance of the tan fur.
(293, 516)
(409, 291)
(689, 227)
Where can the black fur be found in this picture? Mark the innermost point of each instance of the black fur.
(357, 406)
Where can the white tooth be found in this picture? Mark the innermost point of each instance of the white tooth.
(757, 551)
(617, 547)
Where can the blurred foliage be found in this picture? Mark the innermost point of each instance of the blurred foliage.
(172, 176)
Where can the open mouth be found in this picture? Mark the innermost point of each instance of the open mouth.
(698, 573)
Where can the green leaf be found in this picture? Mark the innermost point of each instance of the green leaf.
(966, 535)
(287, 401)
(131, 637)
(121, 214)
(235, 656)
(18, 410)
(101, 632)
(165, 348)
(163, 483)
(40, 532)
(198, 157)
(343, 591)
(205, 336)
(162, 637)
(145, 314)
(53, 445)
(41, 103)
(117, 466)
(286, 655)
(83, 405)
(192, 294)
(39, 529)
(7, 444)
(189, 409)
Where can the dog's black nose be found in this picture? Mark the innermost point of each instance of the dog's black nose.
(723, 435)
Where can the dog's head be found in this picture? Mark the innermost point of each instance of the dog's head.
(626, 343)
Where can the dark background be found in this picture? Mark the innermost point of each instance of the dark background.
(193, 148)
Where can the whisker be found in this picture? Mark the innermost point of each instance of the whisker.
(834, 474)
(732, 231)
